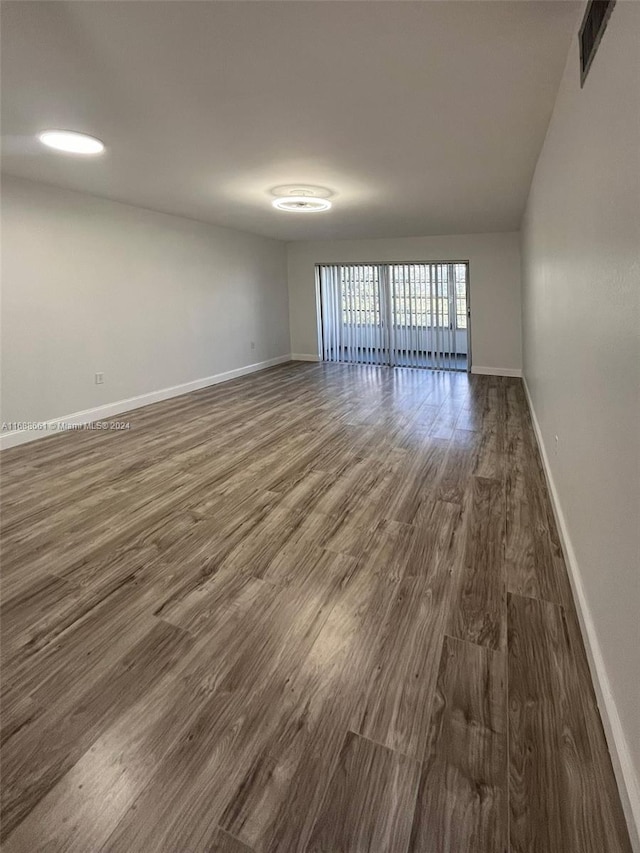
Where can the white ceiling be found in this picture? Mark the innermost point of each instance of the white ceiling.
(422, 117)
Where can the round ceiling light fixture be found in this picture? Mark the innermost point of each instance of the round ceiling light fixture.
(301, 203)
(301, 199)
(71, 142)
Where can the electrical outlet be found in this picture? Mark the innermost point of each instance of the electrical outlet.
(253, 344)
(99, 378)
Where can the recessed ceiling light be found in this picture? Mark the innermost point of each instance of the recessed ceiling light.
(71, 142)
(301, 204)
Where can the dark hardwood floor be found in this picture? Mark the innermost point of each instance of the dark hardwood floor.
(319, 608)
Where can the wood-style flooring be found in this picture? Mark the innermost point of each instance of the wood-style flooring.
(319, 608)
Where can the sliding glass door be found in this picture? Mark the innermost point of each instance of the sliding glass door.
(405, 315)
(354, 313)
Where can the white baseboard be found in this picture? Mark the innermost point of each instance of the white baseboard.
(16, 437)
(298, 356)
(496, 371)
(620, 756)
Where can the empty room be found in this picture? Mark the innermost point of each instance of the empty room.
(320, 447)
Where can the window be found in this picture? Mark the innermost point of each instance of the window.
(360, 302)
(460, 273)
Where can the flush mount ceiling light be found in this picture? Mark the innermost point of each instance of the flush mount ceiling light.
(301, 204)
(301, 199)
(71, 142)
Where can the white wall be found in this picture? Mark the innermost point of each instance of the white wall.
(494, 274)
(581, 310)
(150, 300)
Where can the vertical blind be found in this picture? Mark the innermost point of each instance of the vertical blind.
(408, 315)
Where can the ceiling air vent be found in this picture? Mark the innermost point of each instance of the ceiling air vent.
(593, 26)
